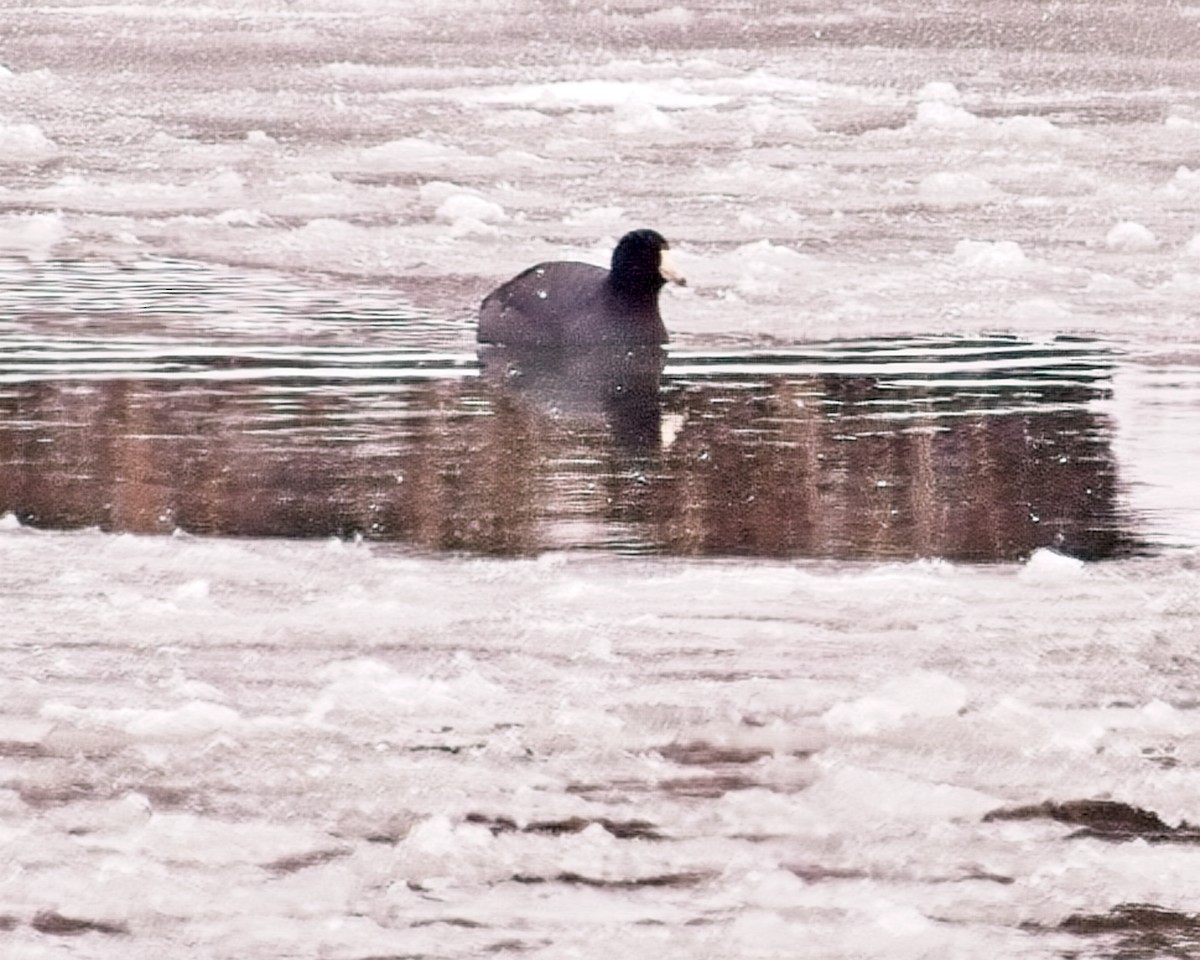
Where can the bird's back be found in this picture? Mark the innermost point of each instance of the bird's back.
(564, 304)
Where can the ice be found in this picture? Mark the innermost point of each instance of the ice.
(943, 115)
(391, 712)
(991, 256)
(1047, 566)
(1130, 237)
(373, 688)
(946, 188)
(915, 696)
(263, 748)
(940, 91)
(25, 143)
(32, 235)
(194, 720)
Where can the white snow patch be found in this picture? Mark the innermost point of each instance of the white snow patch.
(670, 17)
(468, 206)
(947, 188)
(939, 91)
(1050, 567)
(635, 116)
(193, 720)
(765, 268)
(1130, 237)
(241, 217)
(990, 256)
(917, 695)
(849, 792)
(371, 687)
(407, 154)
(25, 143)
(1184, 184)
(942, 115)
(31, 235)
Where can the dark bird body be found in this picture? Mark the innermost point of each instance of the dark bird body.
(569, 304)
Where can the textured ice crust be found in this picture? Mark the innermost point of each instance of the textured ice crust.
(332, 748)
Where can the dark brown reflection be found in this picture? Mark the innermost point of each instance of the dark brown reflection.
(599, 451)
(810, 468)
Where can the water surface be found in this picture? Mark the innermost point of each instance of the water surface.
(377, 423)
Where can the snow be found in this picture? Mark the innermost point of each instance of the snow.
(270, 748)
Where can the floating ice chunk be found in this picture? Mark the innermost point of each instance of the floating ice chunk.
(369, 686)
(436, 192)
(407, 153)
(31, 235)
(764, 251)
(1163, 714)
(192, 721)
(1049, 566)
(1186, 124)
(954, 189)
(771, 119)
(190, 593)
(1033, 130)
(1106, 285)
(939, 91)
(918, 695)
(945, 116)
(470, 226)
(1185, 183)
(636, 116)
(670, 17)
(182, 687)
(1130, 237)
(899, 920)
(771, 889)
(848, 793)
(242, 218)
(462, 206)
(1181, 284)
(991, 256)
(25, 143)
(1192, 249)
(10, 521)
(519, 160)
(766, 267)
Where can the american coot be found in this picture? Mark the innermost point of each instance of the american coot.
(568, 304)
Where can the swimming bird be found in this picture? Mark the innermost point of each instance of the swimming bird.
(570, 304)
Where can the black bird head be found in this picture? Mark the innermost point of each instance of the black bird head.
(641, 264)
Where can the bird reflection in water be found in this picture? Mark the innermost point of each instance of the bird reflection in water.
(619, 449)
(610, 386)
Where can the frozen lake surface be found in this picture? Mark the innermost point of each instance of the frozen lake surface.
(862, 623)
